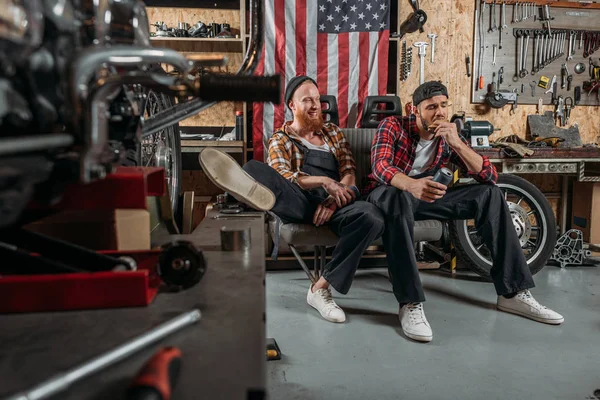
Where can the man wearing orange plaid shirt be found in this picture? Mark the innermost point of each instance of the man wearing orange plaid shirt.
(310, 178)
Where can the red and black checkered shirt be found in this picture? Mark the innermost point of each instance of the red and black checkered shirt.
(394, 147)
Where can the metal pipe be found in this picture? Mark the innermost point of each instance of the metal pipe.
(30, 144)
(63, 381)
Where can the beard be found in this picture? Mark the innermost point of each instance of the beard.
(312, 124)
(434, 123)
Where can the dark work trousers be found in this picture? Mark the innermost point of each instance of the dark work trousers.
(357, 225)
(482, 202)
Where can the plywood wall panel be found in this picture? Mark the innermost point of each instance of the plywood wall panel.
(453, 21)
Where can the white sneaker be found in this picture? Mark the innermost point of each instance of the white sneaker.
(322, 301)
(525, 305)
(226, 173)
(414, 323)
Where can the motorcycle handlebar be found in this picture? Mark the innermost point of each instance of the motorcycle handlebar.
(212, 87)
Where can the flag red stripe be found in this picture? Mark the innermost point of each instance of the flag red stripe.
(279, 54)
(382, 54)
(301, 37)
(257, 117)
(322, 62)
(363, 80)
(343, 78)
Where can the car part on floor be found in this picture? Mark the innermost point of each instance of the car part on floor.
(569, 249)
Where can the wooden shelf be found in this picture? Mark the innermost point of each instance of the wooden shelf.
(191, 39)
(196, 146)
(211, 143)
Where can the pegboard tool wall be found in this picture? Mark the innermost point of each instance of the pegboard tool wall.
(454, 21)
(563, 20)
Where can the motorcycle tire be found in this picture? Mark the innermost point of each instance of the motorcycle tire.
(534, 222)
(161, 149)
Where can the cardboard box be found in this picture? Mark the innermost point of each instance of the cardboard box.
(99, 229)
(585, 210)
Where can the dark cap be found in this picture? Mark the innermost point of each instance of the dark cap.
(293, 84)
(428, 90)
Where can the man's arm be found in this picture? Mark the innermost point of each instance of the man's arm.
(382, 151)
(479, 167)
(280, 156)
(384, 169)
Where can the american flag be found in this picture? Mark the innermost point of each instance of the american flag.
(342, 44)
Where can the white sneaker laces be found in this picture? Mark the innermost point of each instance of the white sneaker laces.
(415, 313)
(525, 296)
(325, 294)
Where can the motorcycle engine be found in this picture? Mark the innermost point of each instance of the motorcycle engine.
(39, 41)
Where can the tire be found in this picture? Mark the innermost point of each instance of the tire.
(536, 231)
(162, 149)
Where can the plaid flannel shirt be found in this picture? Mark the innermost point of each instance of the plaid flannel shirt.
(394, 147)
(287, 158)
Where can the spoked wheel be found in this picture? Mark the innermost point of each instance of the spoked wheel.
(163, 148)
(533, 221)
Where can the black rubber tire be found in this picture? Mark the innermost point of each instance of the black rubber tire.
(133, 155)
(174, 139)
(477, 262)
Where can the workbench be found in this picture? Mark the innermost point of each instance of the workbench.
(223, 353)
(581, 162)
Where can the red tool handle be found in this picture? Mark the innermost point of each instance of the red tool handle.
(157, 377)
(481, 82)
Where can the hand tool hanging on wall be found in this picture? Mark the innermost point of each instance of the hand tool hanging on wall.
(414, 21)
(569, 105)
(479, 83)
(503, 26)
(422, 53)
(432, 36)
(559, 114)
(533, 84)
(406, 61)
(64, 380)
(564, 72)
(493, 25)
(499, 99)
(546, 17)
(571, 45)
(500, 76)
(577, 94)
(468, 62)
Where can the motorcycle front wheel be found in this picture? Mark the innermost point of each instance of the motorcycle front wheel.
(533, 220)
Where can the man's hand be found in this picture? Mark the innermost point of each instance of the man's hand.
(449, 132)
(426, 189)
(342, 194)
(324, 211)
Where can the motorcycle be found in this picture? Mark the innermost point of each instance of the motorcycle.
(82, 91)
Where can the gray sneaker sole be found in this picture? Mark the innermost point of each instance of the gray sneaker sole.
(226, 173)
(530, 316)
(418, 338)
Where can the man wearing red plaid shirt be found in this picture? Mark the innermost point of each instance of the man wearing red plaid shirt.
(405, 154)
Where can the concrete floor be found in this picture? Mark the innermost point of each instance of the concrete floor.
(476, 352)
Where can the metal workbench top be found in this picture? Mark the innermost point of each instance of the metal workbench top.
(223, 353)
